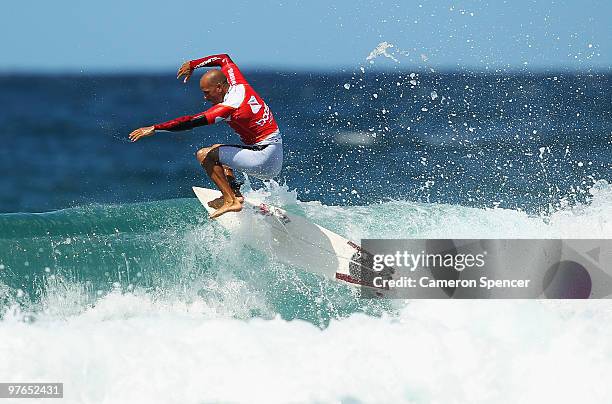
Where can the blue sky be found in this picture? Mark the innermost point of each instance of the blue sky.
(154, 35)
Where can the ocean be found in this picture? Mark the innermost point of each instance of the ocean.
(114, 282)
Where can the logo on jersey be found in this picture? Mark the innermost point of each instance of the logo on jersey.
(232, 77)
(255, 106)
(265, 118)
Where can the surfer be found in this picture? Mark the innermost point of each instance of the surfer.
(260, 153)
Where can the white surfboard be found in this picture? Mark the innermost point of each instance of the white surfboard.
(294, 240)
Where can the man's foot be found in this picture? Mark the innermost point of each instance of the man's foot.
(234, 206)
(218, 202)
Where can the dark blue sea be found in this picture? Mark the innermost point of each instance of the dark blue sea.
(518, 141)
(111, 271)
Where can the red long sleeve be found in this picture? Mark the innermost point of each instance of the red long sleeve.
(228, 67)
(214, 114)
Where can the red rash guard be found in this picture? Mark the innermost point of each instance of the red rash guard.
(242, 108)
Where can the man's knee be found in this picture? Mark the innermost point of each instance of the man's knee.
(208, 154)
(205, 151)
(201, 154)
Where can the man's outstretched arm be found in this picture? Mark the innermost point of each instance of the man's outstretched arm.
(222, 60)
(214, 114)
(213, 60)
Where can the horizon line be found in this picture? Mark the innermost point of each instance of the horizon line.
(130, 71)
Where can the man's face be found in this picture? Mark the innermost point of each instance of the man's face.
(213, 93)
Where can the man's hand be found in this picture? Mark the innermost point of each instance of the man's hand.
(142, 132)
(184, 70)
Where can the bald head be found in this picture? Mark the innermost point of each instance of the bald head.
(212, 78)
(214, 85)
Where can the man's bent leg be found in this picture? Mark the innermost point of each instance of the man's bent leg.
(234, 183)
(209, 158)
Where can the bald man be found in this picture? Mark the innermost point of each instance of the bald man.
(260, 152)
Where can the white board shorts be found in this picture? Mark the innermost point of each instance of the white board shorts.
(262, 160)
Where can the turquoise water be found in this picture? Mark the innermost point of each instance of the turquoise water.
(169, 250)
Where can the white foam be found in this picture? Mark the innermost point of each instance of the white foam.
(403, 219)
(122, 351)
(273, 193)
(146, 347)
